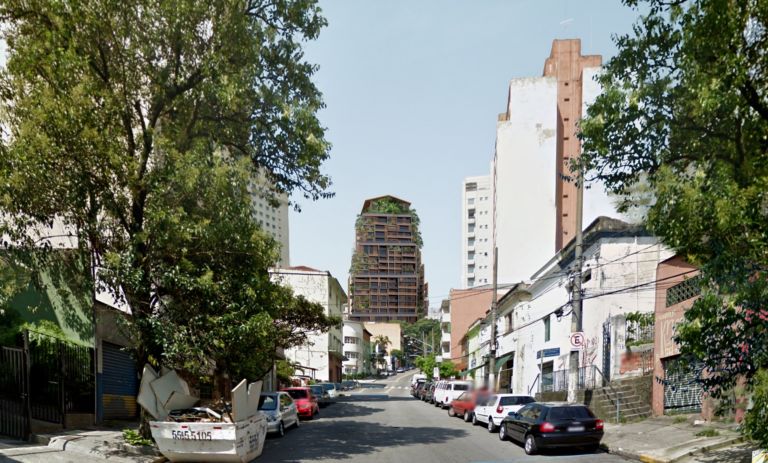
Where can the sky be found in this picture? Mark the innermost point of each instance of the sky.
(412, 91)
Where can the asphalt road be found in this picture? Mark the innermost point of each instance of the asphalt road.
(383, 423)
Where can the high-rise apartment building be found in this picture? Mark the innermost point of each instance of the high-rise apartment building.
(476, 231)
(274, 221)
(386, 278)
(534, 202)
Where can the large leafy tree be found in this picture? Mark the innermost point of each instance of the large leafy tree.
(684, 116)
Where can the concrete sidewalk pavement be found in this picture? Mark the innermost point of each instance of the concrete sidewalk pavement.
(96, 444)
(668, 439)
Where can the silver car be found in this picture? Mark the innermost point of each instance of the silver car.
(280, 410)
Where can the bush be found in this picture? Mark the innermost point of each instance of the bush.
(757, 416)
(132, 437)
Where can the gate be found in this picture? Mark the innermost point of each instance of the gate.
(61, 379)
(682, 390)
(14, 393)
(607, 350)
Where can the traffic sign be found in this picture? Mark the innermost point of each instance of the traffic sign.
(577, 340)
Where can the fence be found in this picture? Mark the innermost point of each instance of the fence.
(46, 379)
(586, 378)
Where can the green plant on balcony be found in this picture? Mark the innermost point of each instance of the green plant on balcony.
(637, 328)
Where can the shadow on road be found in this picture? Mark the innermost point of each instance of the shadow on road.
(341, 439)
(348, 410)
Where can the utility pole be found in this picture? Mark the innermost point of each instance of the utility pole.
(423, 345)
(576, 310)
(490, 372)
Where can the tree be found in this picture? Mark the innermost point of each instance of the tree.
(398, 357)
(104, 100)
(380, 343)
(428, 363)
(684, 111)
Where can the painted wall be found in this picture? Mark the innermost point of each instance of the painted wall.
(614, 263)
(467, 305)
(523, 185)
(358, 356)
(391, 330)
(323, 350)
(666, 319)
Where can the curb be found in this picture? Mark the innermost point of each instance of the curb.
(69, 443)
(645, 458)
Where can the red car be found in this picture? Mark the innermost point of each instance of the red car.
(306, 402)
(464, 404)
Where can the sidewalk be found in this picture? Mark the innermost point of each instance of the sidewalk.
(105, 444)
(666, 439)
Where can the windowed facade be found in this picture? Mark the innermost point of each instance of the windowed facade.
(476, 218)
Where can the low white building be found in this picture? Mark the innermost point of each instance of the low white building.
(619, 278)
(357, 348)
(321, 357)
(445, 329)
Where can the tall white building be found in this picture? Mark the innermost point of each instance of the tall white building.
(476, 231)
(274, 220)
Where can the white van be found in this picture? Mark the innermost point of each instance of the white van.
(450, 390)
(418, 377)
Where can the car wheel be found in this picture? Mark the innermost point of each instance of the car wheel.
(467, 416)
(297, 421)
(491, 426)
(503, 432)
(474, 420)
(451, 412)
(280, 429)
(530, 445)
(593, 447)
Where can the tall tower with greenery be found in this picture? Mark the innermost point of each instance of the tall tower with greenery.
(386, 277)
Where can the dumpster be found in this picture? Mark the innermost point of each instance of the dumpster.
(235, 433)
(241, 441)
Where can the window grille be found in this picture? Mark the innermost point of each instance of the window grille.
(683, 291)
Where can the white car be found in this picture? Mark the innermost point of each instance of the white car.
(496, 407)
(450, 390)
(280, 411)
(330, 388)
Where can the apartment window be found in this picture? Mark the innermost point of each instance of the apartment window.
(471, 187)
(350, 340)
(351, 355)
(471, 228)
(471, 255)
(470, 200)
(470, 242)
(471, 214)
(508, 322)
(471, 269)
(547, 328)
(470, 282)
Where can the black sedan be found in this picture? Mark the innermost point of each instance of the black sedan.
(551, 425)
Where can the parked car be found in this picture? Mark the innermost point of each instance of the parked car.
(305, 401)
(496, 407)
(330, 388)
(323, 398)
(424, 391)
(349, 385)
(450, 390)
(548, 425)
(429, 397)
(401, 370)
(280, 410)
(438, 392)
(416, 386)
(464, 404)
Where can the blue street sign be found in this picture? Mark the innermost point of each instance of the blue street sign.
(554, 352)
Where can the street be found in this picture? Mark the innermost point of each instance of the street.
(385, 424)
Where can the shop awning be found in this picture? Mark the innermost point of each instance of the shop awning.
(500, 361)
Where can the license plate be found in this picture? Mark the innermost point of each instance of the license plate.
(575, 428)
(191, 435)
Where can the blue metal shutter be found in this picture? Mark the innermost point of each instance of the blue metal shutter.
(121, 386)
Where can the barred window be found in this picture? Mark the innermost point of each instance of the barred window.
(350, 340)
(351, 355)
(684, 290)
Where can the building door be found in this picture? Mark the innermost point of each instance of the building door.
(682, 390)
(120, 384)
(607, 350)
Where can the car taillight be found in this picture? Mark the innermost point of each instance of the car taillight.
(499, 409)
(547, 427)
(599, 424)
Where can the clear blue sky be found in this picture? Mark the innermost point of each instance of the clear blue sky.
(413, 89)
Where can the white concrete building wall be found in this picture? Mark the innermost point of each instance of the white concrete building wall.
(524, 179)
(353, 347)
(320, 287)
(613, 263)
(478, 348)
(476, 231)
(274, 221)
(445, 331)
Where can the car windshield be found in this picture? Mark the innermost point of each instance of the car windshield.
(297, 393)
(317, 390)
(569, 413)
(463, 396)
(267, 402)
(328, 386)
(515, 400)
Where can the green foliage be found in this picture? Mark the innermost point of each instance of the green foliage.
(684, 114)
(755, 420)
(428, 363)
(680, 419)
(284, 370)
(708, 432)
(636, 322)
(141, 126)
(391, 206)
(132, 437)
